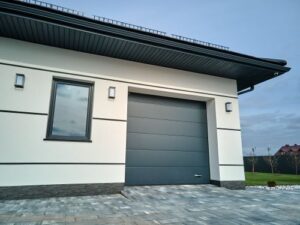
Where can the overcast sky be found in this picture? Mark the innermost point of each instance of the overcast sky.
(271, 28)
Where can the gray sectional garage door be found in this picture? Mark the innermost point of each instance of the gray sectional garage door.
(166, 141)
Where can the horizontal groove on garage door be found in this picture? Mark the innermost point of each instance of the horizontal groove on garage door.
(166, 109)
(161, 134)
(172, 150)
(156, 142)
(168, 166)
(166, 141)
(153, 126)
(166, 175)
(166, 158)
(153, 118)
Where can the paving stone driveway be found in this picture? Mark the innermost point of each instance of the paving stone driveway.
(185, 204)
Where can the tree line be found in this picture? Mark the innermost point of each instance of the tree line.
(273, 160)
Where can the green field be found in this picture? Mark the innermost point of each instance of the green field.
(262, 178)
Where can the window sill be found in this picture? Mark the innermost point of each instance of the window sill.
(68, 140)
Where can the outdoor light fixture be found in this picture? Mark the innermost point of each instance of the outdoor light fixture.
(20, 80)
(228, 107)
(111, 92)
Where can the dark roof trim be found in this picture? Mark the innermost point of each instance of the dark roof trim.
(280, 62)
(87, 24)
(42, 25)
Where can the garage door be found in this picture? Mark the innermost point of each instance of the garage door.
(166, 141)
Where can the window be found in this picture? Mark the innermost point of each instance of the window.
(70, 111)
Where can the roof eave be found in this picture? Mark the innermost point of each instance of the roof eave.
(88, 25)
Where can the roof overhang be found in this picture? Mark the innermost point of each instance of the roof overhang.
(32, 23)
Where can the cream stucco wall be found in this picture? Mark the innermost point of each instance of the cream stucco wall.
(21, 135)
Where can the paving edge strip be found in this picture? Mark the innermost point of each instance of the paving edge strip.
(278, 187)
(124, 195)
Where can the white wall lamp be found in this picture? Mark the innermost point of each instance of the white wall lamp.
(228, 106)
(112, 92)
(20, 80)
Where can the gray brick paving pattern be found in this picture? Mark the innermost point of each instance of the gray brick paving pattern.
(184, 204)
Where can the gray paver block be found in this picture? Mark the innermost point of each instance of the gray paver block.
(182, 204)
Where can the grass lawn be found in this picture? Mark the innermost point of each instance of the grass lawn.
(262, 178)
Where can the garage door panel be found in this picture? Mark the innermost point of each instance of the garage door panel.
(166, 175)
(150, 158)
(166, 111)
(154, 126)
(162, 101)
(165, 142)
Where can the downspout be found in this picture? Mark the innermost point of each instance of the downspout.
(251, 88)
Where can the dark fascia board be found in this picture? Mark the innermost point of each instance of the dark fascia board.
(87, 24)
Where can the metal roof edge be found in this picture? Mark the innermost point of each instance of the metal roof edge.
(85, 23)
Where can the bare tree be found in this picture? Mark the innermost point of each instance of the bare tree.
(252, 159)
(295, 160)
(271, 160)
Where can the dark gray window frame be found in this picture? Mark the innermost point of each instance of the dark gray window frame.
(70, 81)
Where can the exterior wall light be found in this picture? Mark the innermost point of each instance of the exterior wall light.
(111, 92)
(20, 80)
(228, 106)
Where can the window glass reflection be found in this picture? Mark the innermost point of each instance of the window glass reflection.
(70, 110)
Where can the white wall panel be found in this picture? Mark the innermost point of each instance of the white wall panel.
(230, 147)
(227, 119)
(232, 173)
(21, 139)
(105, 107)
(212, 141)
(34, 97)
(14, 175)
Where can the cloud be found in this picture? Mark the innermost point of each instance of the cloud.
(269, 129)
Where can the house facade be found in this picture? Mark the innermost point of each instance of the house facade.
(88, 106)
